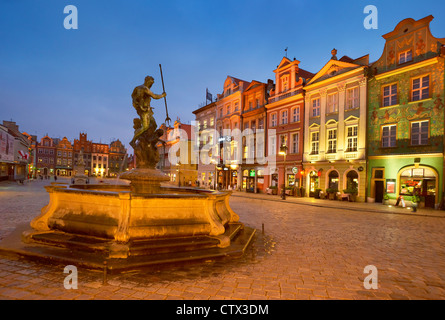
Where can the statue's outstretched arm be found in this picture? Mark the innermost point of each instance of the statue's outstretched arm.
(156, 96)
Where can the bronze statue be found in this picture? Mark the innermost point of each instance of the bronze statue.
(146, 136)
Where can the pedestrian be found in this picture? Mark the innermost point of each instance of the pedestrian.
(55, 178)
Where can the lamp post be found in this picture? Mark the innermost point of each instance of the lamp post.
(283, 152)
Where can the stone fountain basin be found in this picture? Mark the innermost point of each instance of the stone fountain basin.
(113, 212)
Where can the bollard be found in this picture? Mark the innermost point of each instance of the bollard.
(262, 228)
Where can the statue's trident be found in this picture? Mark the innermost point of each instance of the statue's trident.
(167, 119)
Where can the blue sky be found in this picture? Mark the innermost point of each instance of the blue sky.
(61, 82)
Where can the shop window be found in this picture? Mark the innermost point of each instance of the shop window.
(418, 181)
(352, 180)
(333, 180)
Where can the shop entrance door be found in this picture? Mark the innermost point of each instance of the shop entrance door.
(379, 190)
(250, 187)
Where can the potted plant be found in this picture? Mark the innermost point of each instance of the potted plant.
(352, 193)
(332, 192)
(289, 191)
(272, 190)
(415, 202)
(385, 199)
(317, 193)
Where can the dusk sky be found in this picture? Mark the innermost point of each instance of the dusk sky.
(62, 82)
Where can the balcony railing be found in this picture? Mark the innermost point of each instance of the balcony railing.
(284, 95)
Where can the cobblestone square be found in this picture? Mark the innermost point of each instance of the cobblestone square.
(307, 251)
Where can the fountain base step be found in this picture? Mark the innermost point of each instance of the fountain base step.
(92, 253)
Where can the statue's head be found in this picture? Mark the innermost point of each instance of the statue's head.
(149, 81)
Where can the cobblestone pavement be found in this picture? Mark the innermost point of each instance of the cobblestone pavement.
(306, 252)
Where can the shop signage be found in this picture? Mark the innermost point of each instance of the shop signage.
(252, 173)
(295, 170)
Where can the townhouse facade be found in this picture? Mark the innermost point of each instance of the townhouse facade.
(99, 159)
(285, 123)
(64, 158)
(176, 151)
(117, 158)
(335, 128)
(205, 122)
(46, 157)
(253, 164)
(229, 106)
(406, 116)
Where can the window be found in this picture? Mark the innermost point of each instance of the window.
(295, 143)
(284, 83)
(257, 103)
(390, 95)
(352, 138)
(236, 106)
(389, 136)
(295, 114)
(420, 89)
(284, 117)
(405, 56)
(316, 107)
(352, 101)
(59, 153)
(205, 124)
(315, 137)
(419, 133)
(332, 103)
(273, 120)
(228, 109)
(283, 140)
(212, 122)
(273, 145)
(332, 141)
(261, 123)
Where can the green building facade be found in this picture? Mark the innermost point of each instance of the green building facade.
(405, 120)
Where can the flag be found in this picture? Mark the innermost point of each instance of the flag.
(209, 95)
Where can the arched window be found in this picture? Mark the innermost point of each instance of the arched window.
(352, 180)
(333, 180)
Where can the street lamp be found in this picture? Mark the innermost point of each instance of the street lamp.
(283, 152)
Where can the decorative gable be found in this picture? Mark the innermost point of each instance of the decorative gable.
(410, 41)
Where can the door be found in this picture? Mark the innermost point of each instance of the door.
(250, 184)
(379, 190)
